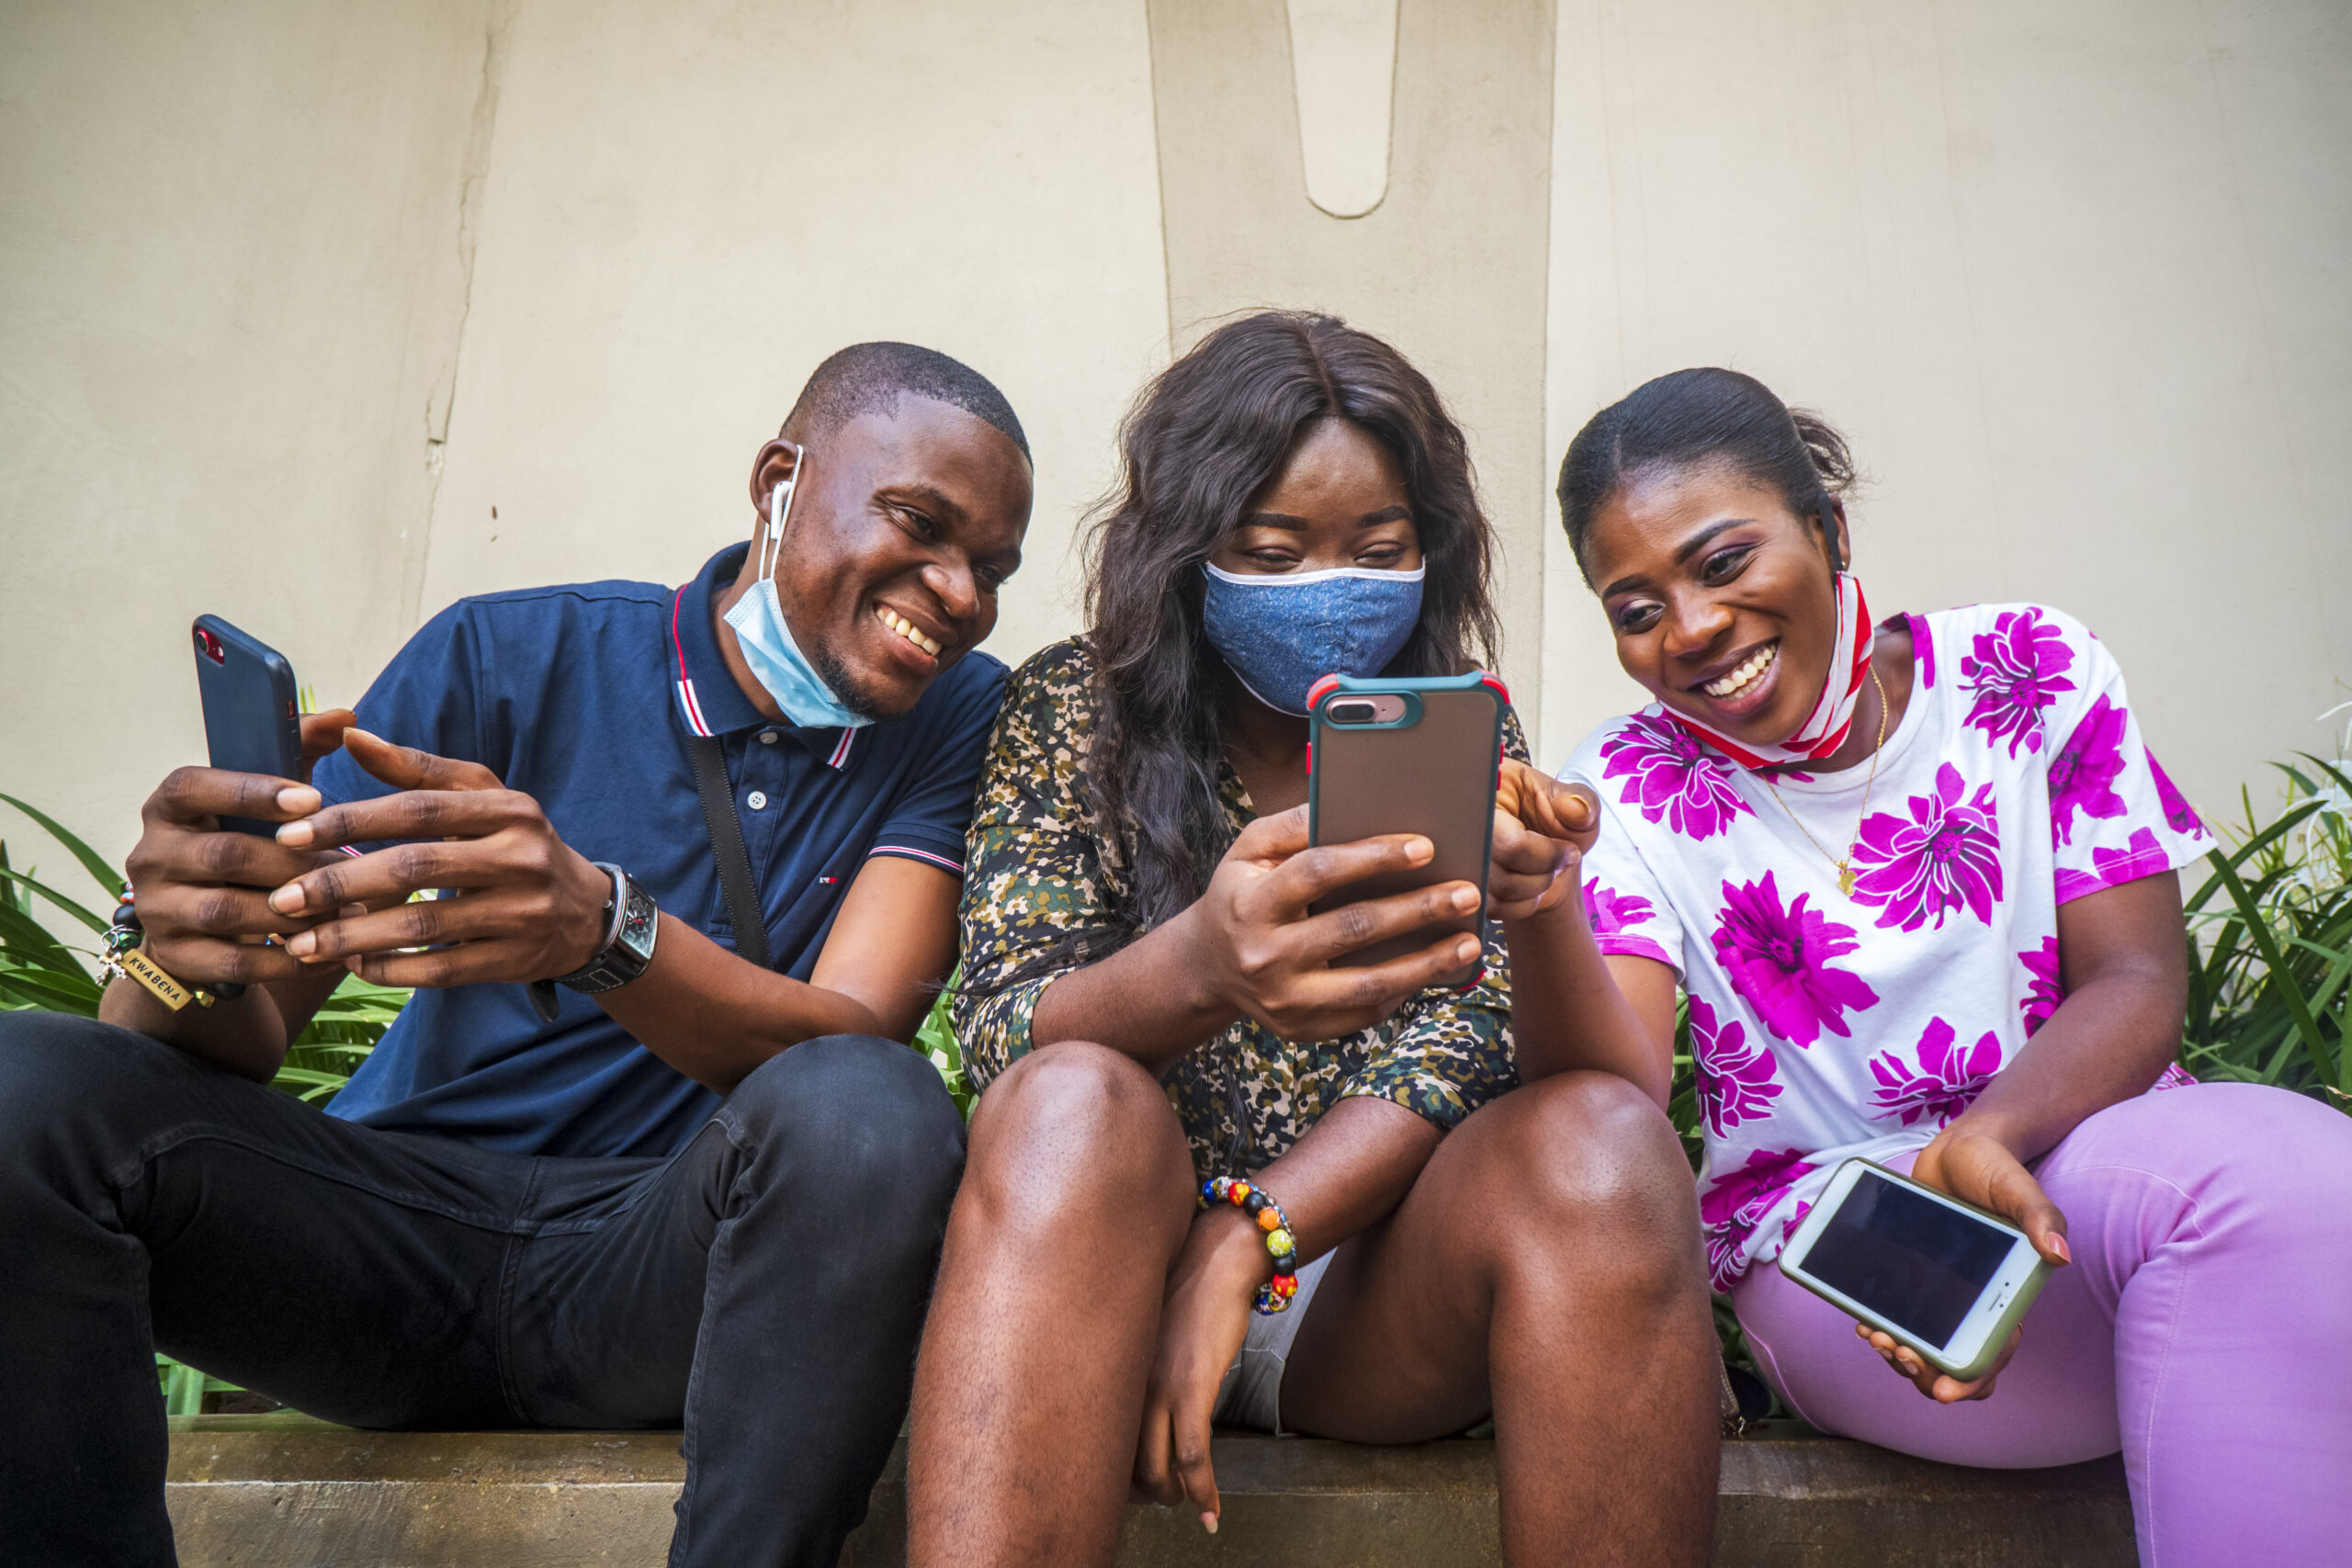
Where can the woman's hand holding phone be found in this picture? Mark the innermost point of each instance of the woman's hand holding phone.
(1971, 1163)
(1541, 829)
(1261, 955)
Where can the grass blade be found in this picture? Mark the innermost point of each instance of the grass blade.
(19, 879)
(29, 942)
(2260, 842)
(2289, 991)
(33, 989)
(312, 1077)
(182, 1390)
(107, 877)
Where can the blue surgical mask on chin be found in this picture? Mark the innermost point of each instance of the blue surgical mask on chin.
(1282, 632)
(776, 660)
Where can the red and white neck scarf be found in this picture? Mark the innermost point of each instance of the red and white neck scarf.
(1826, 727)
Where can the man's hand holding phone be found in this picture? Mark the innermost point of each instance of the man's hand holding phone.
(528, 905)
(203, 890)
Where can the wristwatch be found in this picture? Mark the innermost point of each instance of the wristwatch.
(631, 922)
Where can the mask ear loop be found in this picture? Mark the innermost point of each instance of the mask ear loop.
(1829, 535)
(780, 512)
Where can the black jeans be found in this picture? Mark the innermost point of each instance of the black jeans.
(767, 1285)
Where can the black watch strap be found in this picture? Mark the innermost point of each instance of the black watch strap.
(632, 923)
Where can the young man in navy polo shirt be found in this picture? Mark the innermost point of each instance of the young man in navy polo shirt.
(673, 1185)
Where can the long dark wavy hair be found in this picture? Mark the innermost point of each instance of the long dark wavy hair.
(1211, 431)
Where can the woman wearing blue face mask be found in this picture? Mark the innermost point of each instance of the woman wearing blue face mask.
(1149, 1008)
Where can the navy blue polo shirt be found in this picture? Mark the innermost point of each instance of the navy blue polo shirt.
(583, 697)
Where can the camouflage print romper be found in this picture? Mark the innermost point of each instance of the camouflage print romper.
(1041, 866)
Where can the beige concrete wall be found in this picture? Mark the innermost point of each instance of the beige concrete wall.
(2069, 273)
(293, 296)
(690, 205)
(244, 246)
(229, 295)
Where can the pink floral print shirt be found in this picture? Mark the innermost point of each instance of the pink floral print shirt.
(1824, 1026)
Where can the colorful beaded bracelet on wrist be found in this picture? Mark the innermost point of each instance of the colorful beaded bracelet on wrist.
(1273, 1225)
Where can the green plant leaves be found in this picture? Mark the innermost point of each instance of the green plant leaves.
(2270, 985)
(936, 1039)
(92, 861)
(87, 917)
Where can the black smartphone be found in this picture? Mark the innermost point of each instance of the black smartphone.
(1407, 756)
(252, 723)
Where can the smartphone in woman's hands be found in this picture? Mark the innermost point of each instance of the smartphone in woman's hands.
(1940, 1276)
(1407, 756)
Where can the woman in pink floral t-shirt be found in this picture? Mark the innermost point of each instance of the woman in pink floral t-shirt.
(1917, 879)
(2010, 786)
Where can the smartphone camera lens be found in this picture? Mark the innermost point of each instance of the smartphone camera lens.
(211, 646)
(1351, 713)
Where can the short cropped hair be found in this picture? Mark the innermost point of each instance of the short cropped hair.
(870, 378)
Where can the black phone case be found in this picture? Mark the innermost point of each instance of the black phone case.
(251, 721)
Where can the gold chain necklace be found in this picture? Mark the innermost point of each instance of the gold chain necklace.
(1845, 865)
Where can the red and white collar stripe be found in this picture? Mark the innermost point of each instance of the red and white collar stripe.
(687, 700)
(691, 705)
(1826, 727)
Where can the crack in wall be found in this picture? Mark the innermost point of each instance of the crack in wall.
(441, 403)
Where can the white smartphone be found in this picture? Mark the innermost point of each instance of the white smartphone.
(1941, 1276)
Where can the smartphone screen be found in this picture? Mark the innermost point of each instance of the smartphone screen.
(1908, 1258)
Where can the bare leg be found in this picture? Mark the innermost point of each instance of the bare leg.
(1548, 1266)
(1029, 1391)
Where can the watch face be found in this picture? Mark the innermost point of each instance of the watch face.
(638, 924)
(630, 950)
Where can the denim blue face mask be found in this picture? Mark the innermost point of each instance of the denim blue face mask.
(1282, 633)
(776, 660)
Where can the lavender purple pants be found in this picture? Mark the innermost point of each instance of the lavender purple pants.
(2204, 1328)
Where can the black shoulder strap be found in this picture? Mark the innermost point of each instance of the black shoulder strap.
(726, 830)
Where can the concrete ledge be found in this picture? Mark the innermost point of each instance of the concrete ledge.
(282, 1491)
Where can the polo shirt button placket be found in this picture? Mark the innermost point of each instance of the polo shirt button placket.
(767, 736)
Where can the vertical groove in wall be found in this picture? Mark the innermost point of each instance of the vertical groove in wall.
(1531, 655)
(474, 173)
(1450, 266)
(1343, 74)
(1164, 96)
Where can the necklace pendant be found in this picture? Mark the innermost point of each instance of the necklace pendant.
(1846, 879)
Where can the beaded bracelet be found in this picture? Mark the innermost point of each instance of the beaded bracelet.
(1273, 1225)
